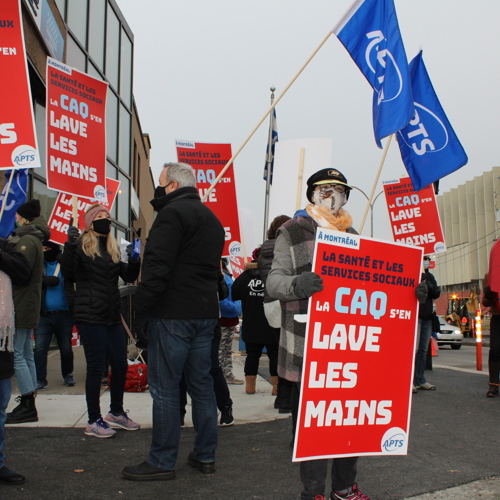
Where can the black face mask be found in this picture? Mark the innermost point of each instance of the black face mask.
(102, 226)
(160, 192)
(50, 255)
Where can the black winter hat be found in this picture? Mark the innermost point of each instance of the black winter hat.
(29, 210)
(326, 176)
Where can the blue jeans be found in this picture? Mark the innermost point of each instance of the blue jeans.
(5, 392)
(60, 324)
(99, 342)
(24, 362)
(176, 347)
(424, 333)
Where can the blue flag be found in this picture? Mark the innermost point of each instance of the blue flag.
(15, 197)
(272, 140)
(370, 33)
(429, 146)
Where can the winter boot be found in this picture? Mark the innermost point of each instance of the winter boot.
(274, 381)
(250, 383)
(25, 411)
(285, 394)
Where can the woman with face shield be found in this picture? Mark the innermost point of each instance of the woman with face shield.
(292, 282)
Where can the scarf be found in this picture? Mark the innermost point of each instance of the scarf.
(7, 328)
(324, 218)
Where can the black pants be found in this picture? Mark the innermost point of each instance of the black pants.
(254, 352)
(99, 341)
(494, 352)
(313, 472)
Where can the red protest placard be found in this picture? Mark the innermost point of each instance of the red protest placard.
(76, 132)
(208, 160)
(18, 144)
(361, 327)
(414, 215)
(63, 211)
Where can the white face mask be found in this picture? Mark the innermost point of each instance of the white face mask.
(426, 264)
(330, 199)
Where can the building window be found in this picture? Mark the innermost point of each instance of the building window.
(126, 70)
(124, 147)
(123, 200)
(75, 57)
(61, 5)
(41, 131)
(97, 20)
(77, 20)
(112, 47)
(46, 196)
(111, 125)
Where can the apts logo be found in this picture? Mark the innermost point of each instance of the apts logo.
(425, 133)
(395, 441)
(388, 80)
(235, 248)
(23, 156)
(100, 194)
(439, 246)
(185, 144)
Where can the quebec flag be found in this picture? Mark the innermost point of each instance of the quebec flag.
(370, 33)
(13, 199)
(429, 147)
(272, 140)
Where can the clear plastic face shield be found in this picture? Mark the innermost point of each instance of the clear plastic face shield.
(330, 196)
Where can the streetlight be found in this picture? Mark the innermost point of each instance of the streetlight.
(371, 205)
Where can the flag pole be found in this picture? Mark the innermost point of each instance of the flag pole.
(268, 167)
(231, 160)
(7, 190)
(375, 182)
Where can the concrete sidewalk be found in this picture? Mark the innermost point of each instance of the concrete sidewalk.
(62, 406)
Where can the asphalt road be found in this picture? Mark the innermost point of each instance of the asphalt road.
(454, 441)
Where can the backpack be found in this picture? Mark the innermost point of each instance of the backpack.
(137, 377)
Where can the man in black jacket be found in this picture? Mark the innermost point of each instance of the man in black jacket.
(178, 298)
(424, 331)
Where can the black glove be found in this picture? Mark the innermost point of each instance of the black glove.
(421, 291)
(306, 284)
(51, 280)
(129, 254)
(73, 234)
(488, 293)
(141, 330)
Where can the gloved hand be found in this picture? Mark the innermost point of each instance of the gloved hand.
(306, 284)
(141, 333)
(488, 293)
(73, 234)
(421, 291)
(51, 280)
(129, 254)
(141, 330)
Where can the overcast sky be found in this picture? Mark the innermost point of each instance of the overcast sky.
(203, 71)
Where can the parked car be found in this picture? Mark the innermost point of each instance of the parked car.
(449, 334)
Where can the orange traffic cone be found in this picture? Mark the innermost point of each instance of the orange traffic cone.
(434, 347)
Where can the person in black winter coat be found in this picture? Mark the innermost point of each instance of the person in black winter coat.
(93, 263)
(424, 331)
(272, 308)
(56, 318)
(256, 332)
(14, 268)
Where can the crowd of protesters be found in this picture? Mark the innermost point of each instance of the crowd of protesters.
(186, 311)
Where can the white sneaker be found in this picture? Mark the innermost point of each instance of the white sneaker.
(427, 387)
